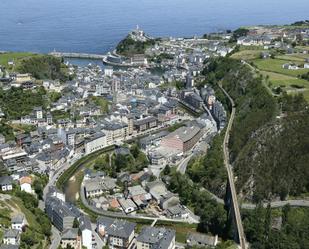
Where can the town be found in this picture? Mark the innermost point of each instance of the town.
(118, 129)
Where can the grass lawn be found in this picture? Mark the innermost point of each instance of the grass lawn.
(299, 58)
(31, 219)
(248, 54)
(15, 56)
(275, 65)
(278, 79)
(182, 229)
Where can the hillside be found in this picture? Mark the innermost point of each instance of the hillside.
(43, 67)
(268, 154)
(129, 47)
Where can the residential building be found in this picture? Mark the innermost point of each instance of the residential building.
(144, 124)
(176, 211)
(115, 131)
(59, 213)
(201, 240)
(156, 237)
(95, 143)
(25, 184)
(127, 205)
(38, 112)
(116, 233)
(85, 228)
(70, 238)
(98, 186)
(6, 183)
(18, 222)
(108, 71)
(11, 237)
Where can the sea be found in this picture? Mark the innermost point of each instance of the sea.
(96, 26)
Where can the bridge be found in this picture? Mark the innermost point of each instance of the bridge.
(231, 196)
(78, 55)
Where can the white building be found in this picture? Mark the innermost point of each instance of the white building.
(25, 184)
(38, 112)
(95, 143)
(85, 227)
(11, 237)
(108, 71)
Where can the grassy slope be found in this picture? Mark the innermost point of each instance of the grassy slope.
(249, 54)
(15, 56)
(275, 65)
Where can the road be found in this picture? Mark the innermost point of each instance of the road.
(56, 238)
(182, 167)
(240, 229)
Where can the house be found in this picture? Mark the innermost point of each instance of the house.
(97, 186)
(70, 238)
(306, 65)
(25, 184)
(177, 211)
(90, 174)
(290, 66)
(18, 222)
(156, 237)
(127, 205)
(169, 200)
(11, 237)
(265, 55)
(114, 204)
(6, 183)
(85, 228)
(201, 240)
(157, 189)
(100, 202)
(137, 191)
(116, 233)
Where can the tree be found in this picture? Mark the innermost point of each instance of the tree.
(239, 33)
(134, 150)
(167, 170)
(38, 188)
(28, 238)
(75, 223)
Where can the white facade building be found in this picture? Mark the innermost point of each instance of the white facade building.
(97, 142)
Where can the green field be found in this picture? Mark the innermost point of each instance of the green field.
(249, 54)
(299, 58)
(275, 65)
(13, 56)
(284, 80)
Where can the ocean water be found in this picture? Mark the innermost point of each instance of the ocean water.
(95, 26)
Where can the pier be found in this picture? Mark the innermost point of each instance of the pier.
(78, 55)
